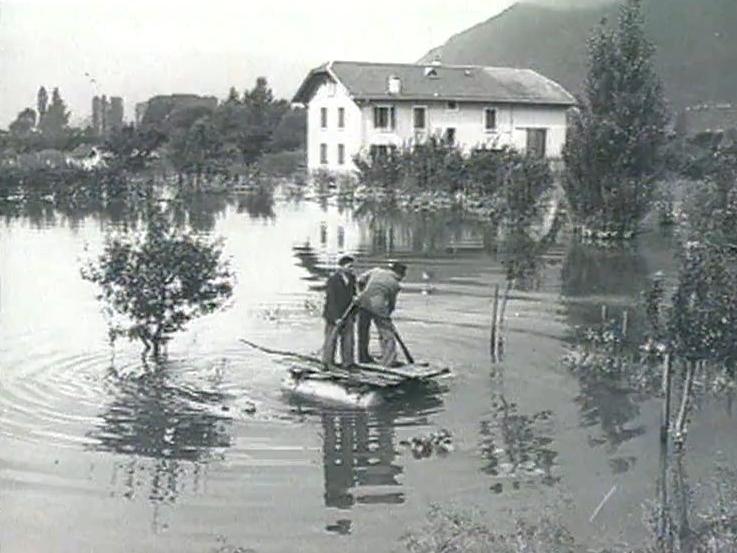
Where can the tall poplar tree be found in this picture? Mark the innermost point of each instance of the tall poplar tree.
(613, 151)
(42, 102)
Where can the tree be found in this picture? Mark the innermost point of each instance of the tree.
(260, 96)
(132, 148)
(159, 281)
(233, 96)
(42, 101)
(55, 123)
(24, 123)
(615, 141)
(199, 149)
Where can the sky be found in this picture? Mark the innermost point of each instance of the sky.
(140, 48)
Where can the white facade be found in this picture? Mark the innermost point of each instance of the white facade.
(516, 125)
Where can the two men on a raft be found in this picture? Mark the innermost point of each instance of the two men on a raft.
(372, 296)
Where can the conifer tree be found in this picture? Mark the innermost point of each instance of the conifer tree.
(55, 122)
(615, 140)
(42, 102)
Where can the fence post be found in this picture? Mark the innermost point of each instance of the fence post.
(494, 314)
(666, 382)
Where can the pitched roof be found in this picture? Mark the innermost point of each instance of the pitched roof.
(369, 81)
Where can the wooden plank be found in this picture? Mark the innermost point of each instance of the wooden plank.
(354, 378)
(410, 372)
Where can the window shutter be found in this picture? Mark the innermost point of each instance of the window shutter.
(393, 118)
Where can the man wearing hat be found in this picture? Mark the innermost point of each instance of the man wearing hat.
(377, 301)
(339, 291)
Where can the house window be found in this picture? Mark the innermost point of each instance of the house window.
(536, 139)
(341, 154)
(341, 118)
(324, 118)
(450, 135)
(324, 154)
(489, 119)
(451, 105)
(384, 117)
(331, 88)
(418, 118)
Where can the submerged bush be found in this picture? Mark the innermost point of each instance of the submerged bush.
(159, 281)
(513, 181)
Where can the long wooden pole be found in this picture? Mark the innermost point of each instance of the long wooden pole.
(282, 352)
(683, 411)
(494, 313)
(665, 415)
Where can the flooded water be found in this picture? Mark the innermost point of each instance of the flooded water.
(99, 453)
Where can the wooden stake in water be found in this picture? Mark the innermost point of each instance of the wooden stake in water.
(625, 321)
(494, 313)
(603, 313)
(665, 416)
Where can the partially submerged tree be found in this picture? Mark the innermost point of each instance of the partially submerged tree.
(614, 146)
(160, 280)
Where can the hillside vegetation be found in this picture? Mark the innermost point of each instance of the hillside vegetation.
(696, 43)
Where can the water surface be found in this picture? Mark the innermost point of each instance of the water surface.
(98, 452)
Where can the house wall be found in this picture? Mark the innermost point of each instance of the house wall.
(512, 122)
(332, 96)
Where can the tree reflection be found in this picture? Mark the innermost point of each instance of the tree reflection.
(598, 286)
(389, 230)
(166, 430)
(258, 204)
(517, 447)
(199, 211)
(592, 277)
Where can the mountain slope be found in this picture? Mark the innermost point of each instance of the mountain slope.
(696, 42)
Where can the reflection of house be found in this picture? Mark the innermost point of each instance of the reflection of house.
(356, 107)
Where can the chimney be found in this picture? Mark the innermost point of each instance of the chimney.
(394, 85)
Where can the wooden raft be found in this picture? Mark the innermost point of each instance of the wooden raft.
(373, 375)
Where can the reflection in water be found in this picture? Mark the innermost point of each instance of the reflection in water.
(175, 427)
(606, 403)
(308, 259)
(258, 204)
(199, 211)
(388, 231)
(592, 277)
(360, 459)
(517, 447)
(358, 452)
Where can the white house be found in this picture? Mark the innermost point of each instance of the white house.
(358, 108)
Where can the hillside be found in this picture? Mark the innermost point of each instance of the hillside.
(696, 41)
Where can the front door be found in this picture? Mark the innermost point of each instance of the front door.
(536, 139)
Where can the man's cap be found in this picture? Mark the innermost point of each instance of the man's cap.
(345, 260)
(399, 268)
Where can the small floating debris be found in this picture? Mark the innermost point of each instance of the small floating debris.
(439, 443)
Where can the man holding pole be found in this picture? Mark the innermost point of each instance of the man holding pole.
(338, 314)
(376, 302)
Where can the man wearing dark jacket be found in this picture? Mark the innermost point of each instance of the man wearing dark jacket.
(339, 292)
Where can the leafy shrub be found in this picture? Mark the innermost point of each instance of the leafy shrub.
(159, 281)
